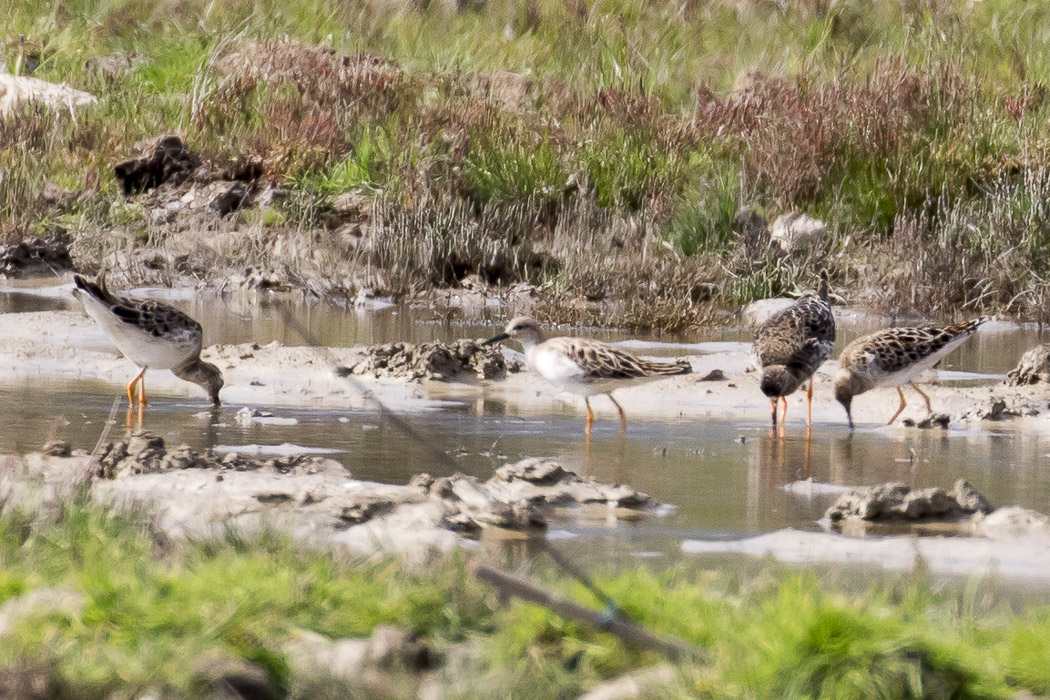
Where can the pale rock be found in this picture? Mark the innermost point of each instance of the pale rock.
(792, 231)
(760, 310)
(16, 90)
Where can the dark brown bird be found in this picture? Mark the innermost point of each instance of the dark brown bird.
(791, 345)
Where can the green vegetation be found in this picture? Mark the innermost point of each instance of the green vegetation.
(917, 131)
(153, 609)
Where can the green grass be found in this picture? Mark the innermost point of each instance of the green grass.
(879, 117)
(514, 174)
(154, 609)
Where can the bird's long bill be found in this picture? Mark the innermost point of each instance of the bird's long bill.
(849, 417)
(496, 339)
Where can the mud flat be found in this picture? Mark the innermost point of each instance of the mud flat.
(203, 493)
(954, 532)
(1026, 558)
(53, 346)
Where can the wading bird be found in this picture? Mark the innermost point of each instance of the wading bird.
(150, 334)
(585, 367)
(895, 357)
(791, 345)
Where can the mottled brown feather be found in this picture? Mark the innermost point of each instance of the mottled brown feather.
(601, 361)
(150, 316)
(894, 349)
(800, 337)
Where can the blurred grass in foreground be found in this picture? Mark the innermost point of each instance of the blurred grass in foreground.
(154, 608)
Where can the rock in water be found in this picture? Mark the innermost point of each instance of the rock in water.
(897, 501)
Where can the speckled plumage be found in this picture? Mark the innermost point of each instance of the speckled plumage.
(601, 363)
(894, 357)
(792, 344)
(799, 337)
(583, 366)
(150, 334)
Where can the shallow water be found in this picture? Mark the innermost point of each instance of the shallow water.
(724, 476)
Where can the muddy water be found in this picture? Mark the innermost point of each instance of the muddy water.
(724, 476)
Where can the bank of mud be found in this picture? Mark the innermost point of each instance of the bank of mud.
(67, 345)
(201, 493)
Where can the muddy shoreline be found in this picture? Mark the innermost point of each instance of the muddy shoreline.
(67, 345)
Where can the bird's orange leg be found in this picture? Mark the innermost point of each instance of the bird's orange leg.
(590, 423)
(901, 409)
(142, 390)
(925, 396)
(131, 386)
(623, 416)
(809, 404)
(784, 414)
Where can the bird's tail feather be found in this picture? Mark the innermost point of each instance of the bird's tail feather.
(668, 368)
(966, 327)
(97, 289)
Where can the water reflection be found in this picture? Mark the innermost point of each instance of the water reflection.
(723, 475)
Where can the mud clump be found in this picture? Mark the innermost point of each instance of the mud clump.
(145, 453)
(546, 481)
(933, 420)
(1034, 367)
(435, 360)
(519, 495)
(900, 502)
(178, 182)
(57, 448)
(169, 161)
(1012, 522)
(35, 255)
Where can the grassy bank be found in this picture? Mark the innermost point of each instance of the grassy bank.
(155, 615)
(601, 149)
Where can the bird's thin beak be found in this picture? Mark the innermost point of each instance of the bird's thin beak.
(496, 339)
(849, 417)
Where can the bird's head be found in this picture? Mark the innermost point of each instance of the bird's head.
(205, 375)
(523, 329)
(845, 390)
(778, 380)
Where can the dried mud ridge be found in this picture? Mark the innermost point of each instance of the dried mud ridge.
(195, 492)
(435, 360)
(35, 256)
